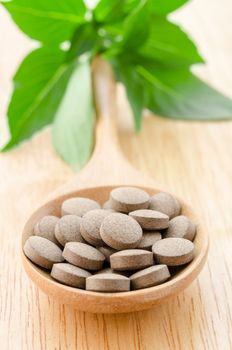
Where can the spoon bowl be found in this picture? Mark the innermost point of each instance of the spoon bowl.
(112, 302)
(106, 170)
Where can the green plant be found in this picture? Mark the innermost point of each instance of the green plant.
(150, 55)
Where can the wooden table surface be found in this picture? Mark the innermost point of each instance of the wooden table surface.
(193, 160)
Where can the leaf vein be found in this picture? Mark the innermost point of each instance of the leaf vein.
(68, 17)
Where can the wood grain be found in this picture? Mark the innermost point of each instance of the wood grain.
(194, 161)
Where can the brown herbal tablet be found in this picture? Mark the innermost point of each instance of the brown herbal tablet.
(165, 203)
(107, 205)
(107, 251)
(109, 270)
(108, 282)
(181, 227)
(120, 231)
(106, 270)
(78, 206)
(68, 230)
(150, 219)
(90, 226)
(69, 274)
(45, 227)
(131, 259)
(126, 199)
(42, 252)
(148, 239)
(149, 277)
(173, 251)
(83, 255)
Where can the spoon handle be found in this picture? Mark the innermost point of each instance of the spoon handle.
(104, 87)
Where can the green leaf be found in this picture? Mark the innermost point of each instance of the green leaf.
(158, 7)
(171, 93)
(169, 45)
(39, 85)
(163, 7)
(73, 125)
(132, 32)
(52, 21)
(130, 5)
(84, 40)
(179, 94)
(136, 27)
(109, 11)
(159, 43)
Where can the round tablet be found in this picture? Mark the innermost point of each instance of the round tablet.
(106, 270)
(45, 227)
(165, 203)
(149, 277)
(150, 219)
(83, 255)
(126, 199)
(107, 251)
(42, 252)
(78, 206)
(109, 270)
(107, 205)
(173, 251)
(68, 230)
(148, 239)
(120, 231)
(69, 274)
(90, 225)
(181, 227)
(108, 282)
(131, 259)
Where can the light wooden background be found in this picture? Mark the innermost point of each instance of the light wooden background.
(192, 159)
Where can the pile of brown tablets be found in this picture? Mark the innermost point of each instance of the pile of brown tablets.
(132, 242)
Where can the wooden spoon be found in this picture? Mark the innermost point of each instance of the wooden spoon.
(108, 169)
